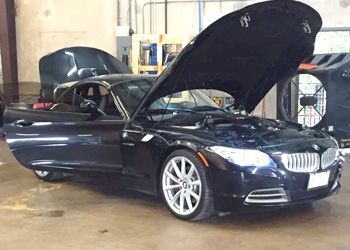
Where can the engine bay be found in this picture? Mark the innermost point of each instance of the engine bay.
(237, 129)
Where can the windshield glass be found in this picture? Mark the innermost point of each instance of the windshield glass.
(188, 99)
(186, 109)
(132, 92)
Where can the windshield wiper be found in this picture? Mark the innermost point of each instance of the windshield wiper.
(207, 108)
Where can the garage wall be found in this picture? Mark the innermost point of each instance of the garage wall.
(44, 26)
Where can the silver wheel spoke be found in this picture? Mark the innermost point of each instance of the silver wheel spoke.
(176, 196)
(190, 172)
(172, 177)
(172, 186)
(176, 169)
(182, 203)
(194, 194)
(189, 202)
(195, 183)
(183, 167)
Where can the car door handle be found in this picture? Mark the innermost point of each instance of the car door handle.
(23, 123)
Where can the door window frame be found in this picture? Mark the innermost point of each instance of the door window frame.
(104, 84)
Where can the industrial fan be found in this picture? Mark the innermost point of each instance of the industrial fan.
(303, 99)
(318, 95)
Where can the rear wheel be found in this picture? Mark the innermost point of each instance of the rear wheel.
(48, 175)
(185, 187)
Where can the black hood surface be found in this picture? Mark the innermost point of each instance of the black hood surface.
(74, 64)
(244, 53)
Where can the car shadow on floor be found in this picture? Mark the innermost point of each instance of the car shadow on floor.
(109, 186)
(279, 217)
(299, 214)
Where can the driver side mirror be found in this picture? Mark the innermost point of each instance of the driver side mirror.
(88, 106)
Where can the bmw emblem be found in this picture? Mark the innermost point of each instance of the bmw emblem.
(315, 146)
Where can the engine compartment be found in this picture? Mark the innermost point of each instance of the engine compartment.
(238, 130)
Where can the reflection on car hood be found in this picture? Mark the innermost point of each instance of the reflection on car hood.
(74, 64)
(244, 53)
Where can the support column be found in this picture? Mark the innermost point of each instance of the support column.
(8, 50)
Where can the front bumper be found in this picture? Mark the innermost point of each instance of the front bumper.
(233, 190)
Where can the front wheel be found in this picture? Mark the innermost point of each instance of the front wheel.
(185, 187)
(48, 175)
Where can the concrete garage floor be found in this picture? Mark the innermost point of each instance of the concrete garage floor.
(85, 213)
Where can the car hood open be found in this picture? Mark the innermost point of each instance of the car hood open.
(244, 53)
(74, 64)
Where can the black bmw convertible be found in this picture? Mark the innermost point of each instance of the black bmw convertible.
(164, 136)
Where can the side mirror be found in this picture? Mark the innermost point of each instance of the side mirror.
(88, 106)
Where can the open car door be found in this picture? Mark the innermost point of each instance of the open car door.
(73, 139)
(81, 137)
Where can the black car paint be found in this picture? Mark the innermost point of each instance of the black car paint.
(142, 161)
(61, 140)
(115, 144)
(232, 187)
(230, 183)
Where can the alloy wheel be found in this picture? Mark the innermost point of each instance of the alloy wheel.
(181, 185)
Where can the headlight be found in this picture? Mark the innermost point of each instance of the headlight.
(335, 141)
(243, 157)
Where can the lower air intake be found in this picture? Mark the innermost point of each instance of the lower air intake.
(267, 196)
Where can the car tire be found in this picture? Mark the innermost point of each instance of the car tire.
(184, 186)
(48, 175)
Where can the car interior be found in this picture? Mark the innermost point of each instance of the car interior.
(70, 100)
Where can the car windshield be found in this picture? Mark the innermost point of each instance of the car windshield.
(185, 100)
(132, 92)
